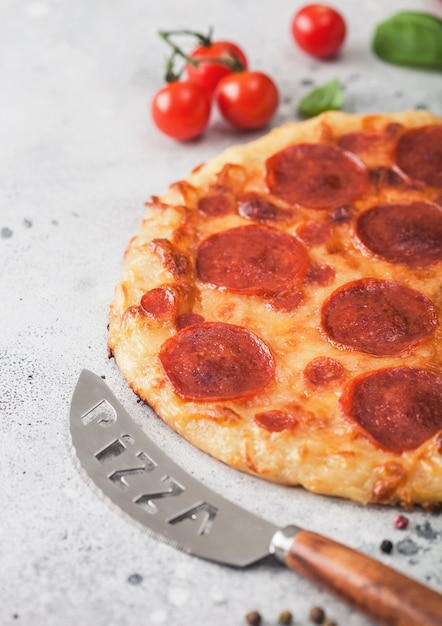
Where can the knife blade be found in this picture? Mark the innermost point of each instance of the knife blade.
(146, 484)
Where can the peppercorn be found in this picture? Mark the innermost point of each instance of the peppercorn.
(400, 522)
(317, 614)
(387, 546)
(285, 617)
(253, 618)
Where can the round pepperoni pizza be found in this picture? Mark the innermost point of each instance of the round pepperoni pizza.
(281, 307)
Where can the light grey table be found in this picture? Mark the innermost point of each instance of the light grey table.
(79, 156)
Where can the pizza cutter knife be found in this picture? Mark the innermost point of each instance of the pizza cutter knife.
(140, 479)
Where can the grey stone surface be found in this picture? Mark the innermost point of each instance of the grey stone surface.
(79, 156)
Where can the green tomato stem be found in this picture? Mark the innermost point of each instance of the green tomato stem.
(171, 75)
(204, 40)
(233, 63)
(176, 49)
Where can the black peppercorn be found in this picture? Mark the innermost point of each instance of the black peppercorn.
(387, 546)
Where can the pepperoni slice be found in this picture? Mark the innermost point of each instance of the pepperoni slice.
(254, 206)
(385, 177)
(400, 408)
(321, 275)
(323, 370)
(408, 234)
(314, 233)
(216, 204)
(378, 317)
(341, 215)
(216, 361)
(361, 142)
(317, 176)
(251, 259)
(275, 421)
(419, 154)
(188, 319)
(287, 301)
(159, 303)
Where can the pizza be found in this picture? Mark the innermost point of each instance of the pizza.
(281, 307)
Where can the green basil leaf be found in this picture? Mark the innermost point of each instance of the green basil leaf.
(410, 38)
(328, 97)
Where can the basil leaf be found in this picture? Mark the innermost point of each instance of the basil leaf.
(410, 38)
(328, 97)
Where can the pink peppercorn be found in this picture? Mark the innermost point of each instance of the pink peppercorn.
(400, 522)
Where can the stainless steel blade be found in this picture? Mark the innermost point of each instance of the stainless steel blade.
(146, 484)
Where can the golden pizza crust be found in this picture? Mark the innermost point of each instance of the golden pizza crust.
(326, 453)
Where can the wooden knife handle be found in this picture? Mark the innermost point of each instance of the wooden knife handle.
(383, 594)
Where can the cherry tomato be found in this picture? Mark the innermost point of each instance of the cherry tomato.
(208, 73)
(181, 109)
(248, 99)
(319, 30)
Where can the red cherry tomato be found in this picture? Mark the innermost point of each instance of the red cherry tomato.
(319, 30)
(181, 109)
(247, 100)
(208, 73)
